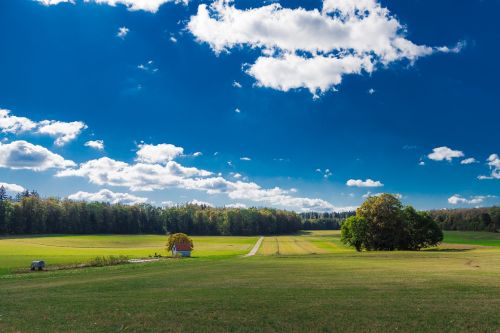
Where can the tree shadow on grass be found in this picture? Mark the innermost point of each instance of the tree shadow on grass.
(449, 250)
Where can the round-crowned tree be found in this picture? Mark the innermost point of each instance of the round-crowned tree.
(353, 232)
(382, 223)
(177, 239)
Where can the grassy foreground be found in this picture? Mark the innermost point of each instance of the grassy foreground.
(454, 288)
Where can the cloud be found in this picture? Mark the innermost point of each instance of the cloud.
(474, 200)
(197, 154)
(12, 187)
(364, 183)
(106, 195)
(237, 110)
(371, 91)
(310, 49)
(245, 158)
(444, 153)
(469, 160)
(24, 155)
(13, 124)
(161, 153)
(236, 84)
(132, 5)
(122, 32)
(53, 2)
(137, 177)
(200, 203)
(156, 176)
(494, 164)
(173, 39)
(96, 144)
(63, 132)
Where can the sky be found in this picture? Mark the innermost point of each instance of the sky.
(301, 105)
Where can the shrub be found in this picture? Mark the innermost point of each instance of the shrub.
(108, 261)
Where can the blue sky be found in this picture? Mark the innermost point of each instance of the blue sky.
(293, 104)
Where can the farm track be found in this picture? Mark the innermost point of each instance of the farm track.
(255, 248)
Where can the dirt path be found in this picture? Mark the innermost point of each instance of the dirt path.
(255, 248)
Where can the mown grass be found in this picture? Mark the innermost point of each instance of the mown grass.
(18, 252)
(472, 237)
(377, 292)
(452, 289)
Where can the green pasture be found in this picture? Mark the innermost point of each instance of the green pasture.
(472, 238)
(302, 283)
(18, 252)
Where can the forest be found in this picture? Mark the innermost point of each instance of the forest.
(324, 221)
(28, 213)
(468, 219)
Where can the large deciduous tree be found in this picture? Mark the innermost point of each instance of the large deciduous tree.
(382, 223)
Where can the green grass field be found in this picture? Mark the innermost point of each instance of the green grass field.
(18, 252)
(472, 237)
(303, 283)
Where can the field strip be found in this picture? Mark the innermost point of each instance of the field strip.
(124, 246)
(255, 248)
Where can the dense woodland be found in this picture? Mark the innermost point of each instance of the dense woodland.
(323, 221)
(468, 219)
(28, 213)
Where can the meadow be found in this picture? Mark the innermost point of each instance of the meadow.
(18, 252)
(306, 282)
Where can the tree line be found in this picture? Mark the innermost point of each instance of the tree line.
(468, 219)
(28, 213)
(323, 221)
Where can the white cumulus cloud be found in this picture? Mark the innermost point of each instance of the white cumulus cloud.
(24, 155)
(12, 187)
(473, 200)
(13, 124)
(310, 49)
(96, 144)
(63, 132)
(494, 164)
(161, 153)
(106, 195)
(200, 203)
(364, 183)
(149, 176)
(469, 160)
(444, 153)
